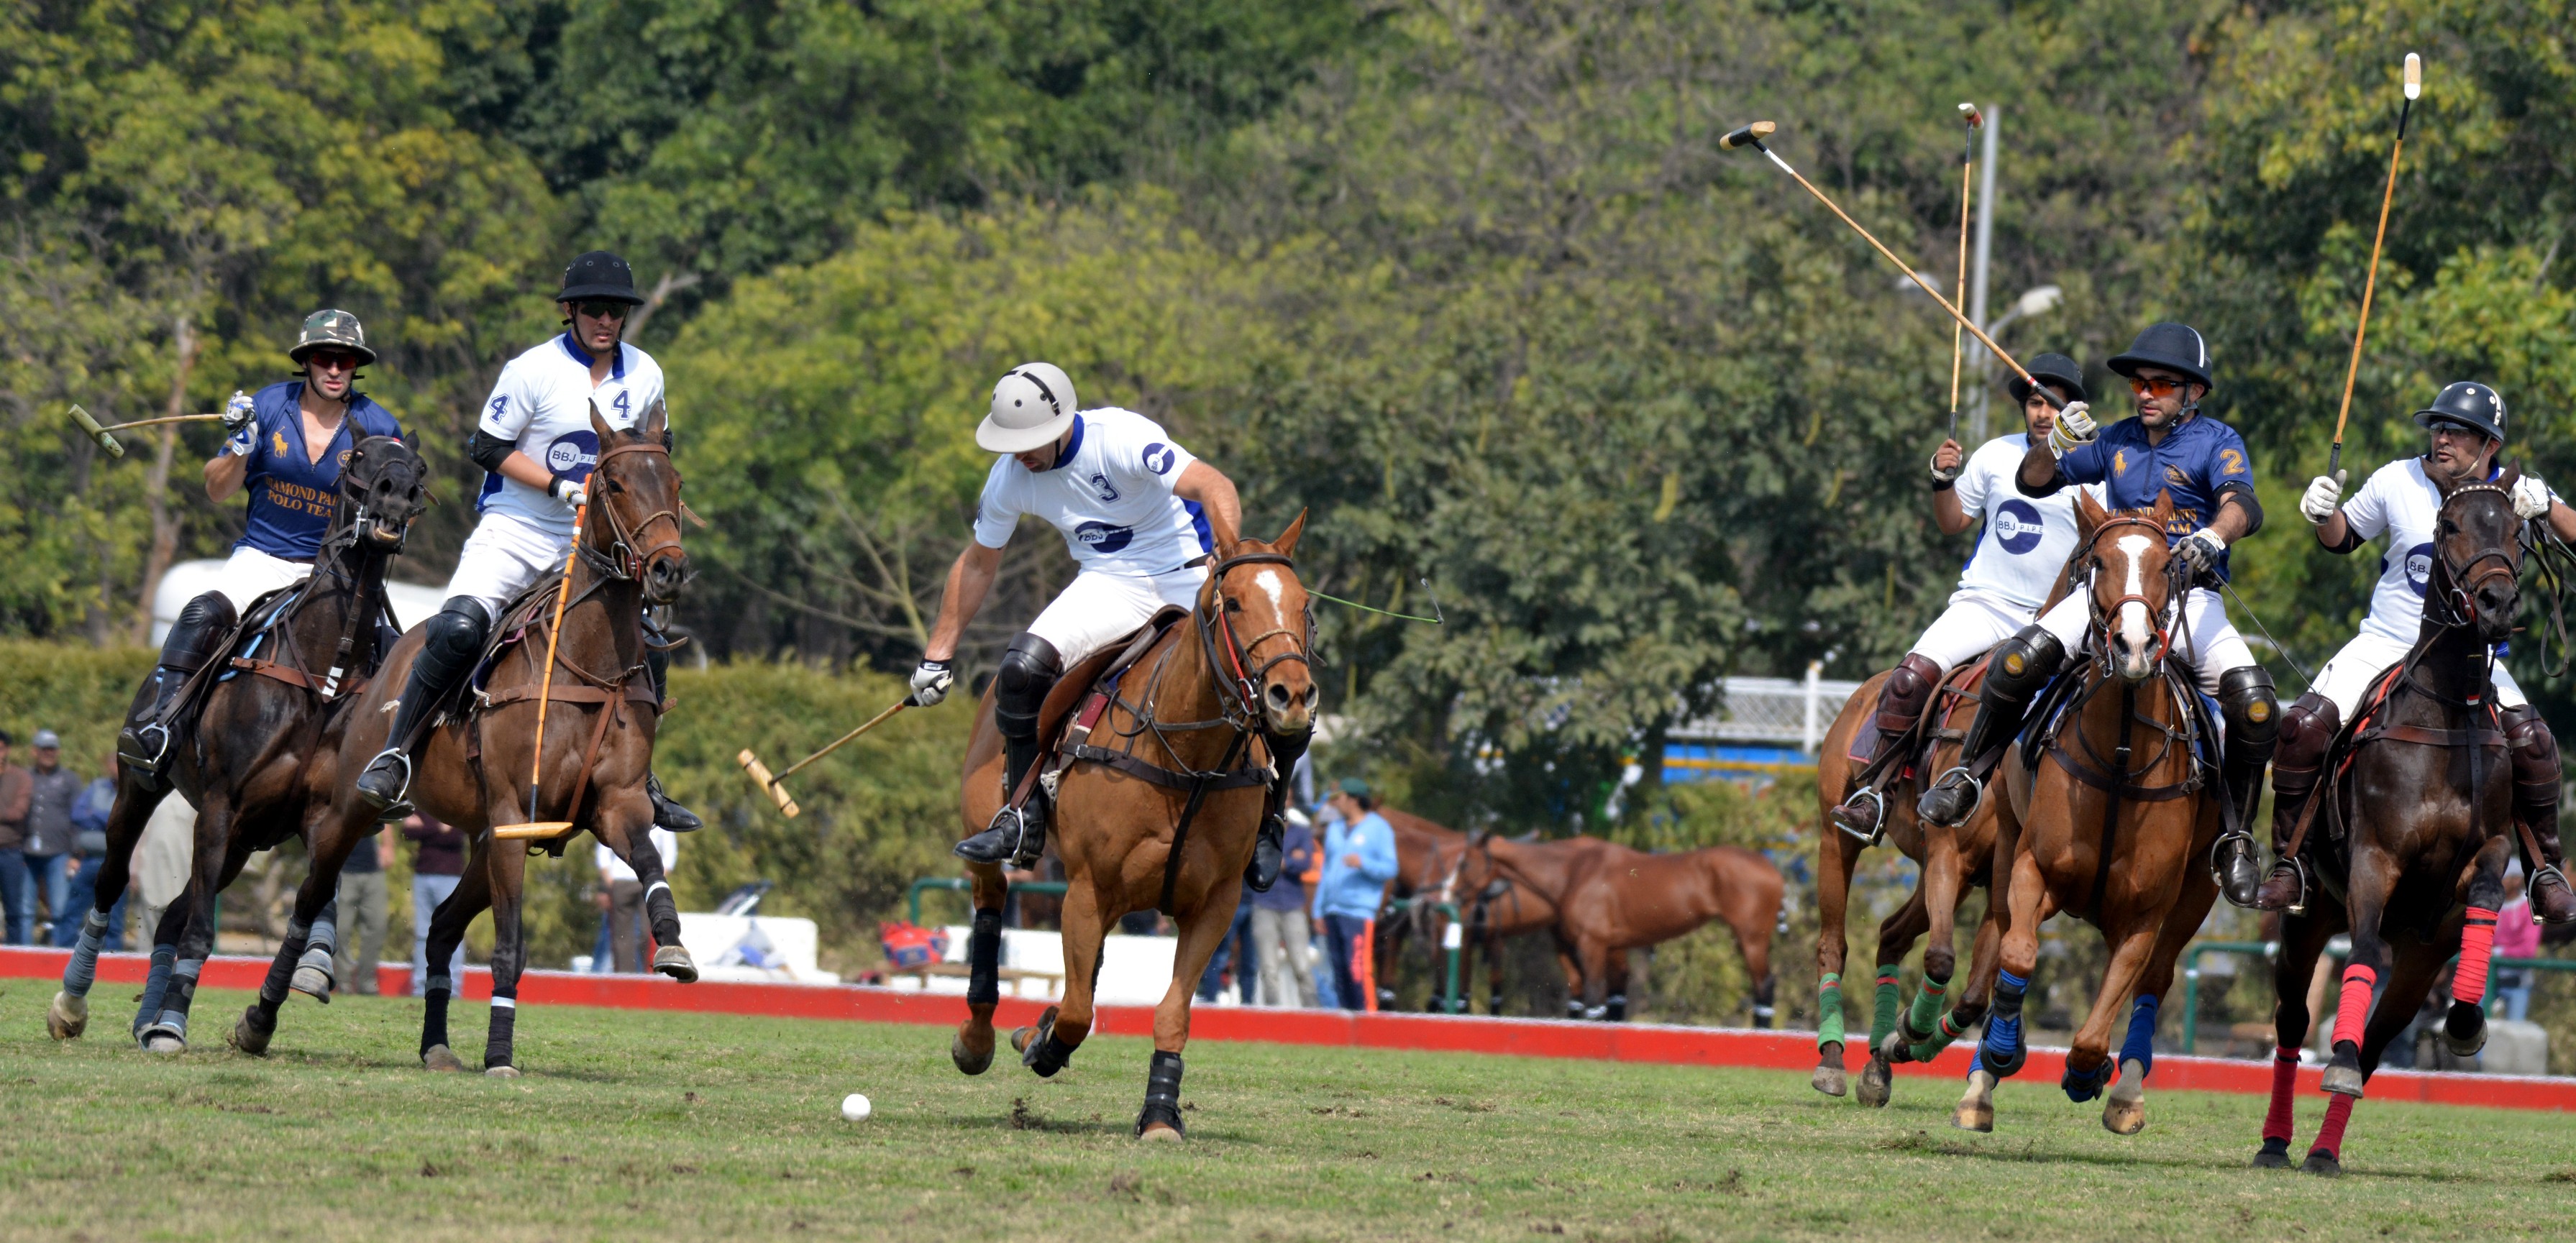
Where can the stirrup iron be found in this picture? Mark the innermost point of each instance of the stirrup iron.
(1878, 822)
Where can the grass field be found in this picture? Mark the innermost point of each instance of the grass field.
(709, 1126)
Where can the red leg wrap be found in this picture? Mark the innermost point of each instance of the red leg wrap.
(2285, 1077)
(2477, 944)
(2330, 1136)
(2353, 1015)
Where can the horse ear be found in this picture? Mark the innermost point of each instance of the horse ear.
(1287, 541)
(2511, 476)
(598, 426)
(2088, 512)
(2164, 508)
(656, 420)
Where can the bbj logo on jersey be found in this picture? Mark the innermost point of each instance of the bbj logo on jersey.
(2419, 568)
(1102, 537)
(572, 455)
(2017, 527)
(1159, 457)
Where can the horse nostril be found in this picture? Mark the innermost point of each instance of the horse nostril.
(1313, 696)
(1278, 696)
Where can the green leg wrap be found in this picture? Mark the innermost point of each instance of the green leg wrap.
(1829, 1010)
(1926, 1010)
(1942, 1034)
(1891, 999)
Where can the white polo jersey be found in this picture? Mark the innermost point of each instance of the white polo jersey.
(2401, 502)
(1110, 495)
(543, 401)
(2026, 539)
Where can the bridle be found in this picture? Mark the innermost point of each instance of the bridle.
(2461, 607)
(365, 527)
(621, 559)
(2089, 565)
(1229, 657)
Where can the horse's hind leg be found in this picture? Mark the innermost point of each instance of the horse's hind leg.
(309, 931)
(1837, 853)
(2303, 939)
(972, 1047)
(1047, 1045)
(472, 895)
(1896, 937)
(1201, 930)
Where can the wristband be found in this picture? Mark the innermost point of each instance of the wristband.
(1940, 484)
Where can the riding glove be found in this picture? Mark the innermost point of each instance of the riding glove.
(570, 492)
(931, 681)
(2201, 549)
(2074, 428)
(1949, 474)
(2324, 496)
(237, 412)
(2530, 497)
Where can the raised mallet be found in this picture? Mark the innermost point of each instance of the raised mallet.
(769, 785)
(1752, 136)
(1958, 340)
(102, 434)
(2370, 283)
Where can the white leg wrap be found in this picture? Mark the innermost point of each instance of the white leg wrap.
(505, 1003)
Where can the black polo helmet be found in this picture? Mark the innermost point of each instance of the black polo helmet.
(2055, 369)
(2174, 347)
(2467, 404)
(599, 276)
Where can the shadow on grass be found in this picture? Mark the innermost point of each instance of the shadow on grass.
(2029, 1152)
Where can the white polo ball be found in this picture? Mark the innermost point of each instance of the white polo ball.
(855, 1107)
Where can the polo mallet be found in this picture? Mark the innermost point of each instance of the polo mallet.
(535, 828)
(769, 785)
(1752, 136)
(102, 434)
(2370, 283)
(1958, 340)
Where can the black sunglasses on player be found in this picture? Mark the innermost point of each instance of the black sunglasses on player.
(602, 310)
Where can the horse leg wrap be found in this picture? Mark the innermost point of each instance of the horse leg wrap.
(2285, 1081)
(1616, 1008)
(984, 958)
(2477, 947)
(82, 970)
(1829, 1010)
(1885, 1007)
(2330, 1135)
(505, 1020)
(1926, 1009)
(662, 913)
(181, 994)
(2001, 1052)
(2140, 1047)
(433, 1012)
(2084, 1085)
(1162, 1093)
(1764, 994)
(1047, 1054)
(323, 943)
(1952, 1026)
(156, 986)
(272, 987)
(2352, 1014)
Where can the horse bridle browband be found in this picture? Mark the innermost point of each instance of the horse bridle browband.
(2091, 564)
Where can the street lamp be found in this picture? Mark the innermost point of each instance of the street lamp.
(2037, 301)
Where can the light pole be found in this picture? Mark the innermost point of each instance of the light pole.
(2036, 301)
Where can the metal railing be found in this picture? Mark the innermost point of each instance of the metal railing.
(2270, 950)
(912, 895)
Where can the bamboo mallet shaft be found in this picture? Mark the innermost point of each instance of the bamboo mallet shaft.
(534, 827)
(2370, 283)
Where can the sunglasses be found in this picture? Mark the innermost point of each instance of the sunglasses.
(602, 310)
(2156, 387)
(331, 360)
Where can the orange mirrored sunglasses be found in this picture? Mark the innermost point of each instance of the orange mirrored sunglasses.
(2158, 387)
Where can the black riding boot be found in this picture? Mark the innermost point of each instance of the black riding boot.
(2307, 729)
(2253, 718)
(144, 746)
(2535, 806)
(1901, 700)
(1269, 847)
(1017, 835)
(2020, 668)
(666, 814)
(450, 643)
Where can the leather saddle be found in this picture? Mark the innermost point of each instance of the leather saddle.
(1093, 682)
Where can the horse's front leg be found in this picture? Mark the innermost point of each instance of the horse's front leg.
(1202, 928)
(2026, 902)
(303, 960)
(2464, 1029)
(1837, 853)
(972, 1047)
(507, 863)
(2374, 877)
(212, 867)
(2124, 1108)
(2088, 1061)
(471, 897)
(68, 1015)
(624, 820)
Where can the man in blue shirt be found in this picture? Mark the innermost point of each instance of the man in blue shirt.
(89, 823)
(288, 443)
(1359, 859)
(2170, 448)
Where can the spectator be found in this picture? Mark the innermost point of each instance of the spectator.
(17, 898)
(437, 862)
(1231, 952)
(363, 910)
(49, 837)
(622, 896)
(89, 841)
(2517, 935)
(1279, 931)
(1359, 859)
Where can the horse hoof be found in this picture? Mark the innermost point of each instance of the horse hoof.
(2274, 1155)
(2343, 1081)
(1829, 1079)
(967, 1059)
(1875, 1081)
(313, 982)
(249, 1036)
(504, 1071)
(164, 1041)
(1978, 1118)
(2322, 1162)
(674, 961)
(2470, 1042)
(67, 1017)
(2125, 1113)
(1158, 1133)
(441, 1058)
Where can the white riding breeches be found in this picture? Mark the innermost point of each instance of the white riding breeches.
(1099, 608)
(503, 557)
(250, 574)
(1973, 623)
(2214, 647)
(2347, 677)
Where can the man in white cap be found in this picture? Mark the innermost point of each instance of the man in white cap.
(1141, 515)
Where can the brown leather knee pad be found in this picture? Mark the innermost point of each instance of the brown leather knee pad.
(2307, 729)
(2535, 773)
(1901, 698)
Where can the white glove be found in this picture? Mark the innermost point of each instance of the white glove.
(2530, 497)
(237, 412)
(2323, 497)
(2073, 428)
(1950, 473)
(931, 681)
(570, 492)
(2201, 549)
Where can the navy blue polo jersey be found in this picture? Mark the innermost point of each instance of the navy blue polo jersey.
(292, 493)
(2200, 459)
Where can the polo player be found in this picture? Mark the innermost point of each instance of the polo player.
(535, 441)
(2022, 546)
(286, 447)
(1142, 517)
(2169, 447)
(2403, 500)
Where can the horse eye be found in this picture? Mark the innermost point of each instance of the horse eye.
(1232, 605)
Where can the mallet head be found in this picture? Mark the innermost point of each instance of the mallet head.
(90, 426)
(1974, 118)
(2414, 76)
(1749, 136)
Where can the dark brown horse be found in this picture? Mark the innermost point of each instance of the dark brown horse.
(1953, 860)
(1611, 899)
(473, 769)
(258, 761)
(2109, 822)
(1439, 866)
(2417, 830)
(1159, 810)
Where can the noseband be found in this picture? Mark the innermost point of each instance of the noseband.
(621, 559)
(2105, 614)
(1238, 680)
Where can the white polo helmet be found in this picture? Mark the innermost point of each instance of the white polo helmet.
(1032, 408)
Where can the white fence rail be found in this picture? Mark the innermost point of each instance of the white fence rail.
(1794, 711)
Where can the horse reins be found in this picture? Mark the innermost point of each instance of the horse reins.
(621, 558)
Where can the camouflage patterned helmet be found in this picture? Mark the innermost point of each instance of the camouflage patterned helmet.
(338, 328)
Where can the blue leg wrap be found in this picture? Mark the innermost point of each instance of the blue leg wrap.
(2082, 1086)
(82, 970)
(156, 985)
(2141, 1044)
(2001, 1052)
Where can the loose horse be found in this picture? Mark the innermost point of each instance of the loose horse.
(2099, 826)
(258, 763)
(473, 769)
(1611, 899)
(1440, 866)
(2413, 859)
(1952, 860)
(1158, 795)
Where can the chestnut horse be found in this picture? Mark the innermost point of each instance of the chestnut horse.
(2109, 822)
(1438, 865)
(258, 761)
(2413, 860)
(1952, 860)
(1166, 824)
(1611, 899)
(473, 769)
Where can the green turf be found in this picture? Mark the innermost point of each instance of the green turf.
(674, 1126)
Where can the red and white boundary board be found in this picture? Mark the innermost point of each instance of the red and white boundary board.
(1610, 1042)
